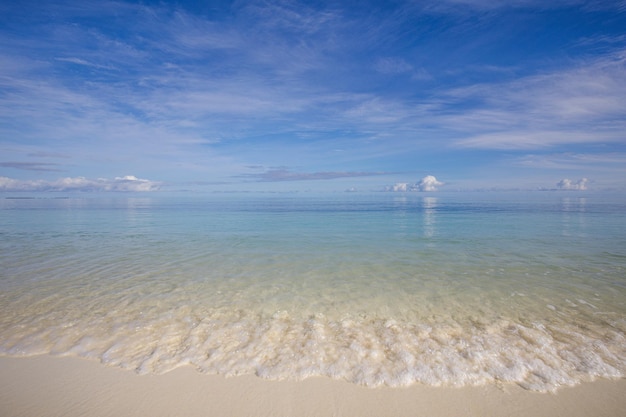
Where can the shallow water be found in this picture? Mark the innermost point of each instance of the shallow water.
(381, 289)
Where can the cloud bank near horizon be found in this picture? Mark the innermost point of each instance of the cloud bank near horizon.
(128, 183)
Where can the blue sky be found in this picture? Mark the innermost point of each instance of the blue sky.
(312, 95)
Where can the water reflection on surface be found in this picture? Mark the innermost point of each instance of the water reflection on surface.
(430, 206)
(573, 217)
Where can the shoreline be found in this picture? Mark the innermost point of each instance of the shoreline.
(72, 386)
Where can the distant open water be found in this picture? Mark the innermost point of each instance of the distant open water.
(381, 289)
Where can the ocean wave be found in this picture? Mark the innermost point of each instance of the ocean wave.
(370, 351)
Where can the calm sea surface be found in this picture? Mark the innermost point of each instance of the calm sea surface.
(380, 289)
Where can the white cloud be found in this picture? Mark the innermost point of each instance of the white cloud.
(605, 162)
(82, 62)
(428, 183)
(393, 66)
(582, 104)
(282, 174)
(268, 83)
(566, 184)
(126, 183)
(521, 139)
(449, 6)
(376, 111)
(400, 187)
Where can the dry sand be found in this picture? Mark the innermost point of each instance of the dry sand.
(55, 386)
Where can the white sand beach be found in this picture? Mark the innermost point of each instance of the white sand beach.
(69, 386)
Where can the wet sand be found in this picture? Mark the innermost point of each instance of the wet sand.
(68, 386)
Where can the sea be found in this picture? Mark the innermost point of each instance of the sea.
(378, 289)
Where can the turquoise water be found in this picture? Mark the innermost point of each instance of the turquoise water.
(380, 289)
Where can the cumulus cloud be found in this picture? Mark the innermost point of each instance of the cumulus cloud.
(566, 184)
(126, 183)
(428, 183)
(402, 186)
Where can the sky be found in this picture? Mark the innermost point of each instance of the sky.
(217, 96)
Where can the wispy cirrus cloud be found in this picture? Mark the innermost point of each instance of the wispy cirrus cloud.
(83, 62)
(607, 162)
(585, 104)
(393, 66)
(32, 166)
(446, 5)
(200, 96)
(283, 174)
